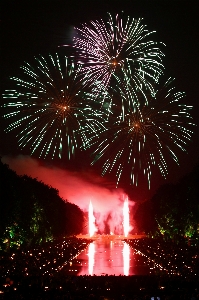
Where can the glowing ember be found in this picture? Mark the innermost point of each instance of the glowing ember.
(92, 228)
(126, 217)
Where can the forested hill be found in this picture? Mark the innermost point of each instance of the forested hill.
(32, 212)
(173, 210)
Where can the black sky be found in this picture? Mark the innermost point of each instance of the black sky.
(29, 28)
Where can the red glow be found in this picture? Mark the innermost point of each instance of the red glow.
(107, 257)
(126, 217)
(126, 258)
(92, 227)
(78, 188)
(126, 225)
(91, 257)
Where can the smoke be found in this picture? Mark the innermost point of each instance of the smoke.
(79, 188)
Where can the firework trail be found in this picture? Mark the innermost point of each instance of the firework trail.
(140, 135)
(48, 107)
(107, 98)
(107, 48)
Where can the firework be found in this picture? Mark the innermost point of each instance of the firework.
(107, 48)
(141, 134)
(48, 107)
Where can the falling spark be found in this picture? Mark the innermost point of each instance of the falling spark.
(143, 131)
(105, 47)
(48, 109)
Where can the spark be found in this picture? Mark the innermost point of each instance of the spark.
(104, 48)
(48, 108)
(141, 132)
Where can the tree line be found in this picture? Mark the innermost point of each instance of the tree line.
(173, 211)
(32, 212)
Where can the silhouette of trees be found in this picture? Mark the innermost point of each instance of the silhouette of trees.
(33, 212)
(173, 210)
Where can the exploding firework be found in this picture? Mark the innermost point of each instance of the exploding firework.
(140, 134)
(107, 48)
(48, 107)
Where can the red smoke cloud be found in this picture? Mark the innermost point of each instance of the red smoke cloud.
(78, 188)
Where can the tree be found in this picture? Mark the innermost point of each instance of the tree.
(174, 208)
(33, 212)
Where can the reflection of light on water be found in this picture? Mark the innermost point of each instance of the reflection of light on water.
(126, 217)
(126, 257)
(91, 258)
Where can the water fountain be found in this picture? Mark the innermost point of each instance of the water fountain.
(126, 225)
(109, 254)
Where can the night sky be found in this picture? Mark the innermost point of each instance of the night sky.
(39, 27)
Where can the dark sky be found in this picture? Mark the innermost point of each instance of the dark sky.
(29, 28)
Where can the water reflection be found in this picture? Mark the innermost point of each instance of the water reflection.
(126, 258)
(91, 257)
(111, 257)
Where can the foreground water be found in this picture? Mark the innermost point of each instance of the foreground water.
(111, 257)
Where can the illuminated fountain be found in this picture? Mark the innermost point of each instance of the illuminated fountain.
(126, 224)
(126, 217)
(91, 217)
(108, 254)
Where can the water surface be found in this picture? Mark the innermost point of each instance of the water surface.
(111, 257)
